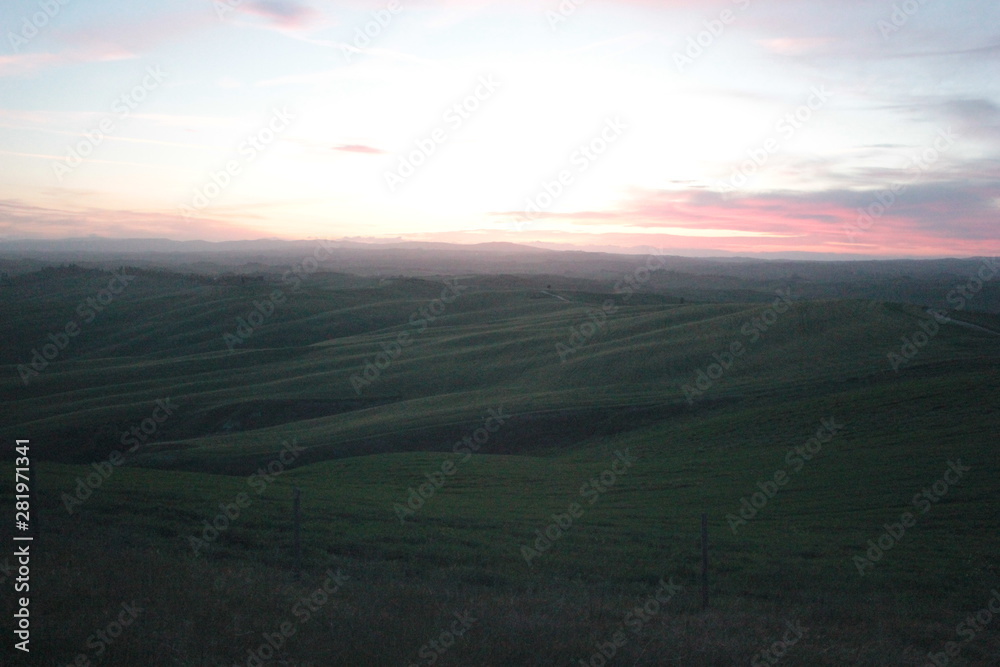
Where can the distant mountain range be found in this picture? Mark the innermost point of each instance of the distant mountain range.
(96, 244)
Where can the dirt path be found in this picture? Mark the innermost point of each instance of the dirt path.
(969, 325)
(561, 298)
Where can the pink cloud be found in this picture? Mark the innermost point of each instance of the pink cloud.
(133, 36)
(103, 42)
(357, 148)
(19, 219)
(932, 220)
(283, 13)
(24, 64)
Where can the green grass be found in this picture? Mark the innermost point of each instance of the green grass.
(461, 551)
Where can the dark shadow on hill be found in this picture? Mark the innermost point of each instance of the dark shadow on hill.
(97, 442)
(264, 413)
(536, 433)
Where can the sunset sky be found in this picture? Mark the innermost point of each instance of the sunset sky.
(744, 126)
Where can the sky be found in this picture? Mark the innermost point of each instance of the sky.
(861, 127)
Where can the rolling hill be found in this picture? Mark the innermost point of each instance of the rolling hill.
(619, 415)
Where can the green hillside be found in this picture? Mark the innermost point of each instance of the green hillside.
(430, 481)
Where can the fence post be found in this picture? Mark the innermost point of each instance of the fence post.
(704, 561)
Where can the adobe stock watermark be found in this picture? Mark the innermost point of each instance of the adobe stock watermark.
(883, 200)
(971, 627)
(959, 297)
(247, 151)
(372, 30)
(634, 621)
(580, 161)
(901, 15)
(562, 13)
(431, 652)
(795, 461)
(420, 319)
(102, 638)
(303, 270)
(753, 329)
(580, 335)
(88, 309)
(224, 7)
(230, 512)
(457, 115)
(32, 25)
(786, 127)
(304, 610)
(912, 344)
(254, 320)
(257, 317)
(892, 533)
(774, 653)
(468, 445)
(714, 28)
(591, 490)
(136, 436)
(121, 108)
(961, 294)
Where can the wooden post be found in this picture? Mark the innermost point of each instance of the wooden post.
(297, 511)
(704, 561)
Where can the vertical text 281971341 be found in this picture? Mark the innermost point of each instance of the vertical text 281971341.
(23, 537)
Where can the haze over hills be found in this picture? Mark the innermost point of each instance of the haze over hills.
(346, 253)
(98, 244)
(101, 244)
(924, 282)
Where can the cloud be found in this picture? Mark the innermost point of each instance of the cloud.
(968, 117)
(938, 217)
(320, 147)
(933, 52)
(22, 220)
(283, 14)
(26, 64)
(135, 35)
(357, 148)
(795, 46)
(103, 41)
(945, 210)
(975, 116)
(23, 64)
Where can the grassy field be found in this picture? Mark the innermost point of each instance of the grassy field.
(482, 496)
